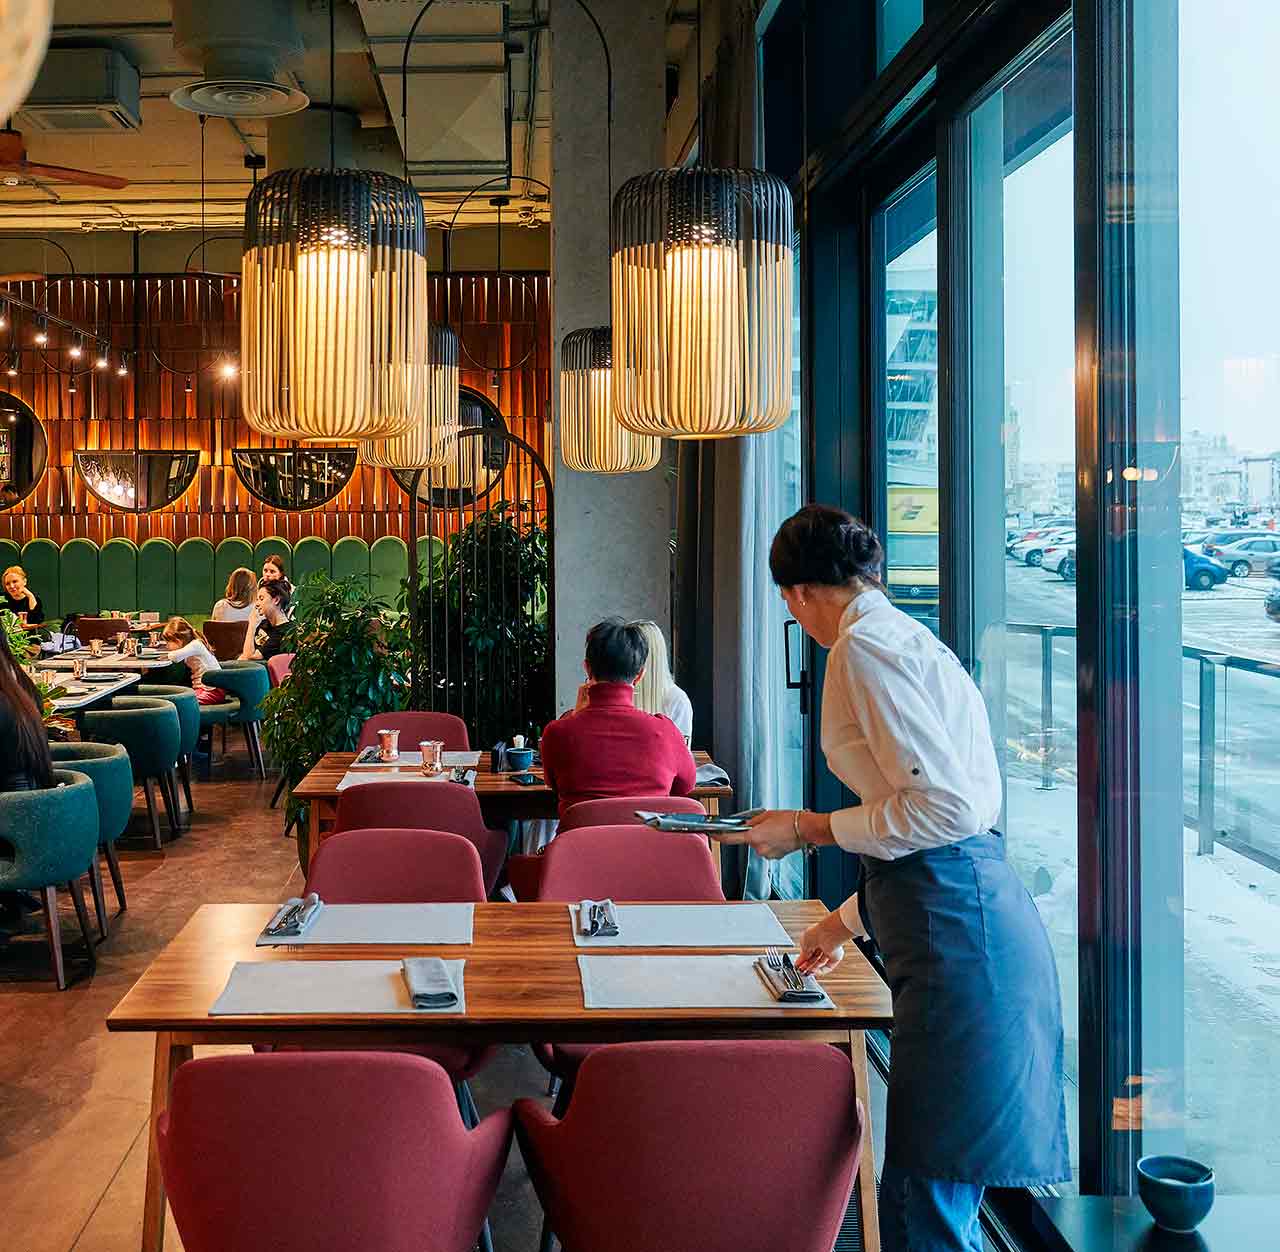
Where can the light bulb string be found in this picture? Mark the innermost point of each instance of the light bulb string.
(333, 49)
(697, 88)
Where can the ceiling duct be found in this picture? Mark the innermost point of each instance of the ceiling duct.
(240, 46)
(301, 141)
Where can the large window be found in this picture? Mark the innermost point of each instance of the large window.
(1023, 481)
(896, 22)
(905, 234)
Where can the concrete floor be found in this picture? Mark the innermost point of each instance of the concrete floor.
(74, 1100)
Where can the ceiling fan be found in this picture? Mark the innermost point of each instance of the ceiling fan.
(13, 160)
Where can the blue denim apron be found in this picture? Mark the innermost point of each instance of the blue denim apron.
(975, 1082)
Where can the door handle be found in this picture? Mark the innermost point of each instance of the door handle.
(800, 684)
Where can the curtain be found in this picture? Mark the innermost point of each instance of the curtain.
(733, 495)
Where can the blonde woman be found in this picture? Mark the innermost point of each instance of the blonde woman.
(236, 604)
(187, 644)
(656, 690)
(18, 597)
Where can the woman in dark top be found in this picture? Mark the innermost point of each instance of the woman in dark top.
(265, 637)
(18, 597)
(24, 743)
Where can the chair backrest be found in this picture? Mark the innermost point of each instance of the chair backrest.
(107, 765)
(384, 866)
(325, 1152)
(148, 727)
(414, 727)
(278, 667)
(621, 810)
(628, 863)
(247, 681)
(100, 627)
(51, 832)
(726, 1146)
(184, 700)
(410, 806)
(225, 639)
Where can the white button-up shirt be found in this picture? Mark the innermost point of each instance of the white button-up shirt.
(905, 728)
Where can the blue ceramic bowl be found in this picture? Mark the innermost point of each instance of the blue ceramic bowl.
(519, 759)
(1177, 1191)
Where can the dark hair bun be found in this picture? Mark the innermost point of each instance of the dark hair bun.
(825, 546)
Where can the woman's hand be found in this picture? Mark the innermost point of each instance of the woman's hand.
(31, 598)
(771, 834)
(584, 697)
(822, 945)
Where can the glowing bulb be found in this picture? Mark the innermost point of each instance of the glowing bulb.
(103, 362)
(76, 351)
(229, 369)
(42, 337)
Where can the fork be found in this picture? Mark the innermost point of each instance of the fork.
(773, 959)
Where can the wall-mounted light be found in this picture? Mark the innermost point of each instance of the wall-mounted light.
(4, 314)
(42, 331)
(229, 369)
(71, 385)
(76, 351)
(104, 357)
(11, 365)
(188, 388)
(122, 369)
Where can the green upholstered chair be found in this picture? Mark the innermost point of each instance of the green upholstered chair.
(184, 700)
(151, 733)
(51, 837)
(157, 563)
(247, 682)
(107, 766)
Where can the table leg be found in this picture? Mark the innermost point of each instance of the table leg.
(169, 1056)
(313, 831)
(865, 1183)
(712, 805)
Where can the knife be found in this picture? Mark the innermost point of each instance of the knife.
(794, 977)
(287, 919)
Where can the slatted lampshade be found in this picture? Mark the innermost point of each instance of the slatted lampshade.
(24, 36)
(333, 282)
(702, 303)
(591, 437)
(431, 440)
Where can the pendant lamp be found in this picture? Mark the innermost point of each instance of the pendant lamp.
(591, 437)
(702, 274)
(471, 470)
(25, 26)
(333, 281)
(431, 440)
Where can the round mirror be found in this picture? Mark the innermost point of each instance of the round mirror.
(478, 462)
(24, 450)
(296, 479)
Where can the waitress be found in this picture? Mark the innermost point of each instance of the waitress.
(975, 1083)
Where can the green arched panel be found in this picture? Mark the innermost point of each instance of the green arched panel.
(430, 552)
(273, 545)
(311, 555)
(351, 556)
(118, 575)
(41, 559)
(78, 579)
(233, 552)
(388, 567)
(10, 554)
(193, 577)
(157, 562)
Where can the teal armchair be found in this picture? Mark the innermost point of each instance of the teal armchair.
(247, 682)
(53, 835)
(184, 701)
(107, 766)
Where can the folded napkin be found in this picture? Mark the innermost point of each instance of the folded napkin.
(711, 775)
(782, 990)
(606, 918)
(301, 914)
(430, 986)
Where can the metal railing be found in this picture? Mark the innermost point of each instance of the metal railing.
(1210, 661)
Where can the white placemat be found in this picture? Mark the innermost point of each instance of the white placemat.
(356, 778)
(469, 760)
(677, 982)
(384, 923)
(748, 925)
(405, 758)
(293, 987)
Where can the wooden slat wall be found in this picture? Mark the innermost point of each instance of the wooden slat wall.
(192, 322)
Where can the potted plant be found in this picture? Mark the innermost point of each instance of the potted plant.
(18, 639)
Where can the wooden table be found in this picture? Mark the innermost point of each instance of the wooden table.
(501, 799)
(92, 695)
(522, 984)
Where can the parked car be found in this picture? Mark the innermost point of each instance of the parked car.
(1031, 549)
(1274, 568)
(1219, 539)
(1062, 562)
(1202, 573)
(1271, 605)
(1248, 556)
(1056, 552)
(1193, 539)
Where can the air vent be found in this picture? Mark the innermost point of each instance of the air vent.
(83, 89)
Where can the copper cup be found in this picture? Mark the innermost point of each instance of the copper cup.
(388, 745)
(77, 668)
(95, 647)
(432, 756)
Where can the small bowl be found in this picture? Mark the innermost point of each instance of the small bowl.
(519, 759)
(1177, 1191)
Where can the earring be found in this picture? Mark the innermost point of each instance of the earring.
(803, 603)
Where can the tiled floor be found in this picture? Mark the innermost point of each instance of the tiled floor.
(73, 1099)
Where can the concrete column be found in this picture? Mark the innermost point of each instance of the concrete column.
(612, 532)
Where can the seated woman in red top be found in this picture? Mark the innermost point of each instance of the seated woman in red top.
(606, 746)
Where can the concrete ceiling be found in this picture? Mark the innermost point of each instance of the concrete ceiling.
(478, 113)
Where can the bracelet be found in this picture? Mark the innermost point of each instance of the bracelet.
(809, 849)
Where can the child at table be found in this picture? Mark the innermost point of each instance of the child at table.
(185, 643)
